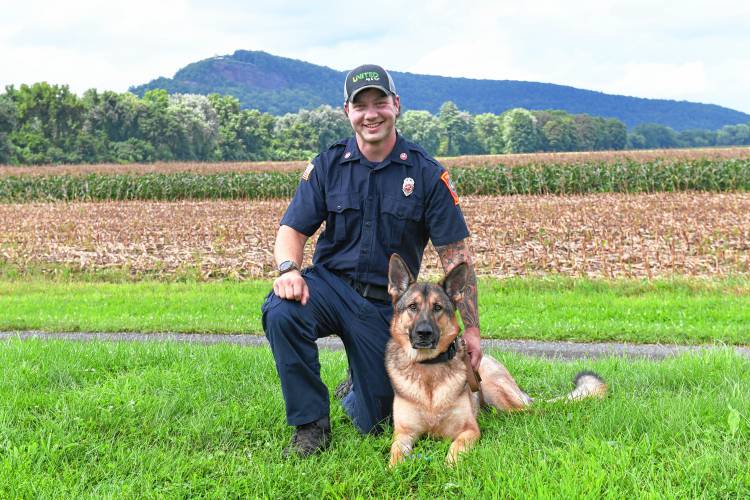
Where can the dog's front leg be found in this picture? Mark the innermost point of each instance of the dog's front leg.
(463, 442)
(401, 447)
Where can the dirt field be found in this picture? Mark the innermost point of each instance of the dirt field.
(696, 234)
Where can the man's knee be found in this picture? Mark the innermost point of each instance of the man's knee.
(280, 317)
(368, 417)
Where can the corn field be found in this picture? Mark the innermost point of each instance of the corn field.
(559, 174)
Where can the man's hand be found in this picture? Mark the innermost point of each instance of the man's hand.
(290, 245)
(473, 346)
(451, 255)
(292, 286)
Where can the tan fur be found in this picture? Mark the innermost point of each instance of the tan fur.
(498, 388)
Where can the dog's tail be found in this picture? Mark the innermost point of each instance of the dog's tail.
(587, 385)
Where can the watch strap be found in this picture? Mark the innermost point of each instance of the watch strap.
(286, 266)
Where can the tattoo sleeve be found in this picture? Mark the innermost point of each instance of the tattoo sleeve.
(450, 256)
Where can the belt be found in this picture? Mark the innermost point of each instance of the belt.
(366, 290)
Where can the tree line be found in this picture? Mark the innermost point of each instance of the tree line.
(43, 123)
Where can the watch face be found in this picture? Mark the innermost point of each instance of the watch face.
(287, 265)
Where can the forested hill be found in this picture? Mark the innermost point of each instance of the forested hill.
(280, 85)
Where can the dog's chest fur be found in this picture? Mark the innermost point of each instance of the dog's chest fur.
(434, 387)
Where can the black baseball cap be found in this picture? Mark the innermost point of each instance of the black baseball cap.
(367, 76)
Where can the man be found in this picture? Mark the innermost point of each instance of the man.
(378, 195)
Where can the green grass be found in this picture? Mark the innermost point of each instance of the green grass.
(214, 307)
(555, 308)
(668, 311)
(174, 420)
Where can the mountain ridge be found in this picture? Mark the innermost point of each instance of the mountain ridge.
(281, 85)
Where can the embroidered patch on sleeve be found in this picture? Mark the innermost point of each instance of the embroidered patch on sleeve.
(449, 184)
(308, 171)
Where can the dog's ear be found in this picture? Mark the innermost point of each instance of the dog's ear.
(399, 277)
(455, 282)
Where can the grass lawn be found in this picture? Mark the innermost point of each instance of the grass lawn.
(175, 420)
(555, 308)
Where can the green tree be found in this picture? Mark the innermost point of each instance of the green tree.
(733, 135)
(111, 125)
(49, 120)
(133, 150)
(256, 134)
(457, 128)
(468, 141)
(229, 144)
(7, 125)
(157, 127)
(488, 130)
(544, 115)
(559, 134)
(655, 136)
(636, 141)
(615, 135)
(421, 127)
(696, 138)
(116, 115)
(520, 132)
(331, 124)
(294, 138)
(587, 131)
(242, 134)
(197, 126)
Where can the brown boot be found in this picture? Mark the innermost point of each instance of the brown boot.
(309, 439)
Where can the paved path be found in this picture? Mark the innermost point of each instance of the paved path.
(555, 350)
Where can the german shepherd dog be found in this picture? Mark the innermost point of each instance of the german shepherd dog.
(429, 371)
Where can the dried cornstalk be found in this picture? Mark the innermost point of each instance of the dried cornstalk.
(605, 235)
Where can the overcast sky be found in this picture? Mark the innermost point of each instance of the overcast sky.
(686, 50)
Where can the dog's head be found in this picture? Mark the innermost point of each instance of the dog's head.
(424, 315)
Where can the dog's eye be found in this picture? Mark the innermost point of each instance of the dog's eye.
(437, 308)
(413, 306)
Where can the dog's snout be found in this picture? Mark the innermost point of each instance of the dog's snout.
(423, 330)
(424, 335)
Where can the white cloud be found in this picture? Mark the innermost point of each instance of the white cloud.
(669, 81)
(690, 49)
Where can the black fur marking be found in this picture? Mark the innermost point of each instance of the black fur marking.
(586, 373)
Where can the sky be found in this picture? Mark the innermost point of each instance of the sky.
(685, 50)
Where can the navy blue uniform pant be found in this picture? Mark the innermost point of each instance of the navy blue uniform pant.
(334, 308)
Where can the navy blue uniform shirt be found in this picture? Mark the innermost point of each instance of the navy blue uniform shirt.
(372, 210)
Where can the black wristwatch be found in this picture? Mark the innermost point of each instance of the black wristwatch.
(286, 266)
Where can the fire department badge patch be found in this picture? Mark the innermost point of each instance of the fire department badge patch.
(449, 184)
(408, 186)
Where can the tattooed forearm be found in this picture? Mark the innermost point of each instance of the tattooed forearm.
(451, 255)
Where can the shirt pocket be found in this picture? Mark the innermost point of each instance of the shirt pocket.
(401, 215)
(344, 216)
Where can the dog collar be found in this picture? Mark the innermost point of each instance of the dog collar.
(449, 354)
